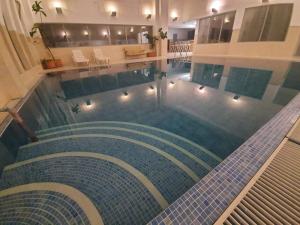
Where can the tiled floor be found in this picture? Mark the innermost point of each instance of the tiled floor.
(130, 172)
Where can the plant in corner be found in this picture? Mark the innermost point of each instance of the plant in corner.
(38, 10)
(154, 38)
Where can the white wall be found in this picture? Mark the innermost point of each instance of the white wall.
(197, 9)
(98, 11)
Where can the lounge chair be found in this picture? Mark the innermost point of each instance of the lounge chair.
(79, 58)
(100, 58)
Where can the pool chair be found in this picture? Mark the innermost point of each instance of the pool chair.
(100, 58)
(79, 58)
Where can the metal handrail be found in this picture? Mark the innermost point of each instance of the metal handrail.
(20, 121)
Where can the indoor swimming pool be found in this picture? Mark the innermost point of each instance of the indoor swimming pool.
(120, 145)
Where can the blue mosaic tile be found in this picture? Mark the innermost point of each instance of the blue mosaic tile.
(225, 182)
(188, 161)
(119, 196)
(184, 144)
(167, 177)
(40, 207)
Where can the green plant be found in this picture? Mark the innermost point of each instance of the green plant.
(38, 10)
(153, 38)
(163, 35)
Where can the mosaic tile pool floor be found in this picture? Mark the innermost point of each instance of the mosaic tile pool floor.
(144, 142)
(120, 196)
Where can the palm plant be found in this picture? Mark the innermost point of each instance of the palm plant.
(153, 38)
(38, 10)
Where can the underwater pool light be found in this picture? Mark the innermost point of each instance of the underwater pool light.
(89, 105)
(236, 98)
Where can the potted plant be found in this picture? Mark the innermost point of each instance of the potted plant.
(46, 63)
(153, 39)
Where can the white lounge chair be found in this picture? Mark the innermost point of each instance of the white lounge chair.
(100, 58)
(79, 58)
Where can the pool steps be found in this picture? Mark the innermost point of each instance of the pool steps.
(158, 165)
(45, 203)
(119, 196)
(138, 127)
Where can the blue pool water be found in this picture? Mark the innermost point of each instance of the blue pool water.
(133, 138)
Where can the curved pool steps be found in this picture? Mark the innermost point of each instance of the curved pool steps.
(191, 146)
(121, 194)
(46, 203)
(166, 175)
(196, 164)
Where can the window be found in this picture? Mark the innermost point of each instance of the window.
(248, 82)
(135, 34)
(117, 34)
(208, 74)
(266, 23)
(74, 35)
(216, 29)
(99, 34)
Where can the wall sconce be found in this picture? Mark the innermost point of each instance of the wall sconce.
(113, 14)
(85, 33)
(214, 10)
(119, 33)
(131, 29)
(104, 33)
(174, 16)
(59, 11)
(64, 34)
(148, 17)
(226, 20)
(148, 14)
(58, 7)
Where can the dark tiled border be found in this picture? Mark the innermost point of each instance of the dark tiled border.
(208, 199)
